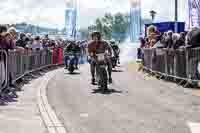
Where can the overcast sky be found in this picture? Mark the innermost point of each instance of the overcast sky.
(51, 12)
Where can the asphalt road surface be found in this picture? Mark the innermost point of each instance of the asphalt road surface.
(134, 104)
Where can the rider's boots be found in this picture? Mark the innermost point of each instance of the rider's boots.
(110, 80)
(93, 81)
(76, 67)
(66, 66)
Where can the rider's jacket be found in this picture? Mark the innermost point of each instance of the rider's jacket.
(96, 47)
(77, 49)
(72, 48)
(115, 47)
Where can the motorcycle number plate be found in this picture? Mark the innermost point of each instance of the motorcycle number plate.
(100, 57)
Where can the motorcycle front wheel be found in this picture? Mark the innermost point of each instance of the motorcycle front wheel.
(103, 79)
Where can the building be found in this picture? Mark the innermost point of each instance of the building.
(135, 28)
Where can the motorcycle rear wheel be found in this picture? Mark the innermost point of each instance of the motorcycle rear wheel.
(71, 69)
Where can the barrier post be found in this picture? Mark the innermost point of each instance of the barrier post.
(166, 62)
(175, 62)
(188, 64)
(3, 69)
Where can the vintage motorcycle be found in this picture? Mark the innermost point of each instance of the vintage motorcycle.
(101, 71)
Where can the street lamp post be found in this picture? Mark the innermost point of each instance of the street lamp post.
(153, 14)
(176, 10)
(176, 15)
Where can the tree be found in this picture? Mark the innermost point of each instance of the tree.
(120, 25)
(110, 25)
(107, 22)
(99, 25)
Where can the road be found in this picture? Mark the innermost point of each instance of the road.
(135, 104)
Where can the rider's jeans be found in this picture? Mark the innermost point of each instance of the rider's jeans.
(76, 60)
(66, 60)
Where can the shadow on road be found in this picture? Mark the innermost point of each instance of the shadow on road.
(117, 70)
(74, 73)
(107, 92)
(8, 99)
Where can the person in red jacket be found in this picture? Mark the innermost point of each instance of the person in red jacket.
(97, 46)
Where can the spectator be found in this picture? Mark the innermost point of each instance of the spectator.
(6, 43)
(164, 39)
(2, 57)
(169, 40)
(152, 43)
(193, 38)
(151, 29)
(44, 43)
(147, 44)
(152, 35)
(142, 42)
(176, 40)
(181, 41)
(9, 41)
(13, 33)
(37, 45)
(21, 42)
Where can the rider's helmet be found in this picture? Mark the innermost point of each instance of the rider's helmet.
(96, 34)
(112, 42)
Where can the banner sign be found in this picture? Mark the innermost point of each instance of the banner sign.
(71, 19)
(194, 14)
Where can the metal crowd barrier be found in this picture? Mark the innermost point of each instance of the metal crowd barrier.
(180, 63)
(21, 63)
(3, 69)
(15, 64)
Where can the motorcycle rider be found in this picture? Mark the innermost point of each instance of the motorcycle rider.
(71, 48)
(77, 51)
(98, 46)
(116, 50)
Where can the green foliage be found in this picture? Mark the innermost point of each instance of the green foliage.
(110, 24)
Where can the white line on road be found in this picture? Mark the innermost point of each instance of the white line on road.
(85, 115)
(194, 127)
(50, 119)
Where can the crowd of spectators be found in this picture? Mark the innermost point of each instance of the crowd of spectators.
(156, 39)
(11, 39)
